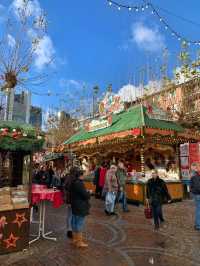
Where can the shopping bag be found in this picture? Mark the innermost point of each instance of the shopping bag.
(148, 211)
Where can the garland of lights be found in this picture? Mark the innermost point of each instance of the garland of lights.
(154, 12)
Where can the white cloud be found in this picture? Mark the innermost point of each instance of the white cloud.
(44, 52)
(11, 40)
(72, 84)
(130, 93)
(147, 38)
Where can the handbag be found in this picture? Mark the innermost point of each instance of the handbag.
(148, 211)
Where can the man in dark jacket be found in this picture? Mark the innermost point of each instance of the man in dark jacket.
(80, 207)
(157, 192)
(195, 189)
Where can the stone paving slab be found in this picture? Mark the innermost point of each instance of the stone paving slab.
(125, 240)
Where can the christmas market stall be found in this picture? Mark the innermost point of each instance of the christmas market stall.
(17, 144)
(145, 138)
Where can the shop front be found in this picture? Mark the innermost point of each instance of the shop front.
(17, 143)
(144, 139)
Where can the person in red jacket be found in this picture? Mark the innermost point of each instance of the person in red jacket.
(102, 175)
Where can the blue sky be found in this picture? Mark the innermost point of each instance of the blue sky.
(94, 44)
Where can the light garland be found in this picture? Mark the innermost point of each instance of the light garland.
(152, 9)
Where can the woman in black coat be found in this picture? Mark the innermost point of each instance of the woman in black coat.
(80, 207)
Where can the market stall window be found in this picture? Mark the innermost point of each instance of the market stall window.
(14, 180)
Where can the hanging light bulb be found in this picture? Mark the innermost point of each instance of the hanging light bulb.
(142, 8)
(173, 33)
(179, 38)
(129, 8)
(136, 9)
(110, 3)
(119, 8)
(166, 27)
(147, 6)
(152, 12)
(160, 19)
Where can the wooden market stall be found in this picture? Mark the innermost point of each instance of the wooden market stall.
(145, 138)
(17, 143)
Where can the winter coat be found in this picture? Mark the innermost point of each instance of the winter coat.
(157, 191)
(111, 183)
(195, 183)
(79, 198)
(122, 177)
(102, 176)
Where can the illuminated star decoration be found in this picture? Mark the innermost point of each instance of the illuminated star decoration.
(11, 241)
(3, 222)
(20, 219)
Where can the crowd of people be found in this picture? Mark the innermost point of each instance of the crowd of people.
(110, 181)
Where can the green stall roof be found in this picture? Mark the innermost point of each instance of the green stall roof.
(28, 143)
(135, 117)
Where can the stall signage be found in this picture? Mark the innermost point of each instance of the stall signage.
(156, 113)
(184, 149)
(95, 125)
(111, 104)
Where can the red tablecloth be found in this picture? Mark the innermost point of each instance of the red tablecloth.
(41, 193)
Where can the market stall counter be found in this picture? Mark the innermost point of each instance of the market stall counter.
(136, 191)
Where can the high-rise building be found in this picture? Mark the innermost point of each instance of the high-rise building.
(21, 107)
(36, 116)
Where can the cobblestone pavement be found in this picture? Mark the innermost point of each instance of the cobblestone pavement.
(125, 240)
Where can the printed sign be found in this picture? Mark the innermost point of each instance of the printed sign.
(98, 124)
(111, 104)
(184, 149)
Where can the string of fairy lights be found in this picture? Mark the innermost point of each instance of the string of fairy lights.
(150, 7)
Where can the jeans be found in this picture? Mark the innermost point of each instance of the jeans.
(69, 218)
(122, 198)
(157, 213)
(110, 201)
(77, 223)
(197, 211)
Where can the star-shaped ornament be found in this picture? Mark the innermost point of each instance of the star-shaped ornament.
(20, 219)
(11, 241)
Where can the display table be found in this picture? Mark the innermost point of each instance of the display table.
(40, 195)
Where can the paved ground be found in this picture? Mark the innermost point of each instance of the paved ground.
(125, 240)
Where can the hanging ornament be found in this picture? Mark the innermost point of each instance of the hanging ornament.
(4, 131)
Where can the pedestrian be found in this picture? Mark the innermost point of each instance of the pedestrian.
(122, 178)
(96, 182)
(43, 176)
(51, 174)
(35, 174)
(56, 181)
(102, 177)
(195, 190)
(68, 199)
(157, 193)
(80, 207)
(111, 189)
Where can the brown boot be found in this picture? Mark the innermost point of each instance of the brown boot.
(75, 238)
(80, 243)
